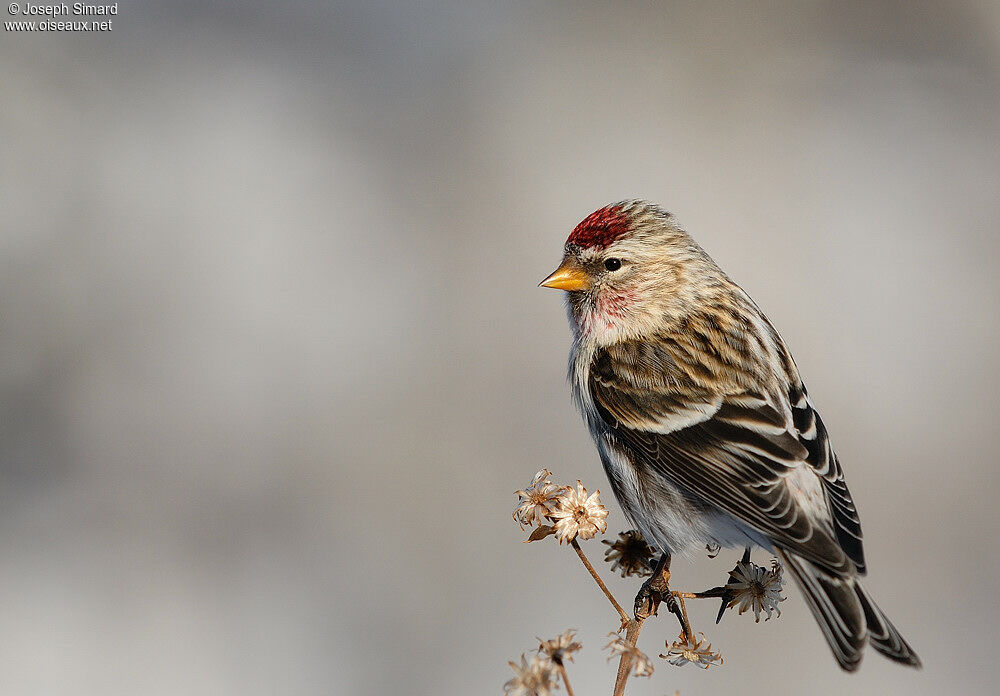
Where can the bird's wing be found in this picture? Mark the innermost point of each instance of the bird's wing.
(809, 428)
(776, 474)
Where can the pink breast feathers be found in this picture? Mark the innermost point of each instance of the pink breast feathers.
(603, 319)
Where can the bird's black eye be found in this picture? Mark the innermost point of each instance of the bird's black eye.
(613, 264)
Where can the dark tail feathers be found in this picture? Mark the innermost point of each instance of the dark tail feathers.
(848, 616)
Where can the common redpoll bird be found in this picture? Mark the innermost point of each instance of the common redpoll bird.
(702, 422)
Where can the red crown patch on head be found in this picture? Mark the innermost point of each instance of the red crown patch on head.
(601, 228)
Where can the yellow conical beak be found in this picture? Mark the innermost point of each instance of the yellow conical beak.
(569, 276)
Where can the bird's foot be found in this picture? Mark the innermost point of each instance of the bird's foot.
(674, 607)
(655, 590)
(647, 601)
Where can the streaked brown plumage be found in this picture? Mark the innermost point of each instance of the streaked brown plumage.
(702, 422)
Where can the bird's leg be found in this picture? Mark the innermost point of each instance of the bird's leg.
(654, 590)
(675, 603)
(677, 609)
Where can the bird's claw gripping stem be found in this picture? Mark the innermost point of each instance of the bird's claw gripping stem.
(646, 602)
(675, 608)
(656, 590)
(653, 591)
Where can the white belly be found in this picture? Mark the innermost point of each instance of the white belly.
(666, 517)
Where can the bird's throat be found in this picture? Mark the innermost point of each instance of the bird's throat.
(605, 319)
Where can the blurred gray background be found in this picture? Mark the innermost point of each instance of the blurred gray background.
(273, 359)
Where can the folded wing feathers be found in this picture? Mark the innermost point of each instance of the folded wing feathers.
(737, 453)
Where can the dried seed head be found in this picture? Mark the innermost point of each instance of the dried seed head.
(629, 554)
(537, 501)
(753, 587)
(640, 664)
(535, 678)
(560, 648)
(578, 514)
(696, 652)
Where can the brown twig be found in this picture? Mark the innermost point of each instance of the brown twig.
(625, 663)
(600, 583)
(713, 593)
(657, 584)
(565, 678)
(688, 633)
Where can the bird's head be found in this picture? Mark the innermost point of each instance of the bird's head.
(628, 270)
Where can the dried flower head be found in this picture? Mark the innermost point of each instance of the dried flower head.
(560, 648)
(535, 678)
(696, 652)
(641, 665)
(629, 554)
(579, 515)
(756, 588)
(537, 501)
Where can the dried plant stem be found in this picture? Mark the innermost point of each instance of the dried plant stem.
(565, 678)
(657, 584)
(600, 583)
(625, 663)
(713, 593)
(688, 632)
